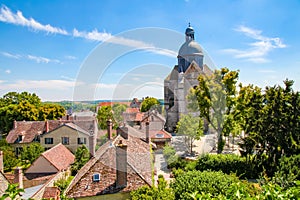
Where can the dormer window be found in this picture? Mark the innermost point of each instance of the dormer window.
(159, 135)
(96, 177)
(20, 138)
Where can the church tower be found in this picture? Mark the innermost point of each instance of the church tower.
(182, 78)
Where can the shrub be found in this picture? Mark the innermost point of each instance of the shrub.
(206, 182)
(228, 164)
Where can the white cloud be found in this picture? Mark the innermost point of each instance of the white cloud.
(259, 49)
(9, 55)
(70, 57)
(107, 37)
(6, 15)
(7, 71)
(40, 59)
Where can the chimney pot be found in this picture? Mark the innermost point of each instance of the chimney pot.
(121, 165)
(15, 124)
(109, 129)
(1, 162)
(47, 126)
(147, 132)
(18, 176)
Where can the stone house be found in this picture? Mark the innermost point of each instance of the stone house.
(121, 165)
(71, 132)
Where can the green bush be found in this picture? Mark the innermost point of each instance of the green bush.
(206, 182)
(288, 171)
(173, 160)
(228, 164)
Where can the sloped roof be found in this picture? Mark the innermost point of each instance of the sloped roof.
(59, 156)
(51, 193)
(153, 113)
(139, 168)
(165, 134)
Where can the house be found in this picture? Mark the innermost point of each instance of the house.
(70, 132)
(3, 180)
(72, 135)
(54, 160)
(156, 120)
(38, 180)
(160, 138)
(121, 165)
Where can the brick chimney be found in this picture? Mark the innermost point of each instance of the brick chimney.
(121, 165)
(18, 177)
(147, 132)
(109, 129)
(123, 131)
(47, 126)
(1, 162)
(15, 124)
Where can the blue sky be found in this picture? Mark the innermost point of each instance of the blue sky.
(46, 45)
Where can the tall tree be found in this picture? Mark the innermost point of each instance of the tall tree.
(192, 128)
(82, 156)
(150, 103)
(118, 110)
(216, 98)
(105, 113)
(51, 111)
(32, 152)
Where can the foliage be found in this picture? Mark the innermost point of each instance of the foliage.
(204, 182)
(118, 110)
(228, 164)
(150, 103)
(271, 120)
(154, 193)
(105, 113)
(191, 128)
(50, 111)
(31, 152)
(288, 171)
(25, 106)
(12, 192)
(9, 158)
(62, 184)
(173, 160)
(216, 98)
(82, 156)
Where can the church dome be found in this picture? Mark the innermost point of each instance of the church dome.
(189, 30)
(190, 48)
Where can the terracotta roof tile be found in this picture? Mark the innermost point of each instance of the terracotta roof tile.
(59, 156)
(163, 134)
(51, 193)
(139, 168)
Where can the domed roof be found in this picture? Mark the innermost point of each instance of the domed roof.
(189, 30)
(190, 48)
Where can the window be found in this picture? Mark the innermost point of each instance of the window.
(81, 140)
(96, 177)
(48, 140)
(19, 139)
(65, 140)
(159, 135)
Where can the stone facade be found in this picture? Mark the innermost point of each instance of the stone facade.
(182, 78)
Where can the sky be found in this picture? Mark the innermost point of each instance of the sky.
(109, 49)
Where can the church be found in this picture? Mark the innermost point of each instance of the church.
(182, 78)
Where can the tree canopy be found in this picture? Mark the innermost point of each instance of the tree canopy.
(150, 103)
(216, 97)
(25, 106)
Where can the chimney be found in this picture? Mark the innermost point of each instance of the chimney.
(18, 177)
(15, 124)
(47, 126)
(147, 132)
(123, 131)
(109, 129)
(1, 162)
(121, 165)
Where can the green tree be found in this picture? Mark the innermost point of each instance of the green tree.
(162, 191)
(191, 128)
(82, 156)
(12, 192)
(51, 111)
(118, 110)
(105, 113)
(150, 103)
(31, 152)
(9, 158)
(216, 98)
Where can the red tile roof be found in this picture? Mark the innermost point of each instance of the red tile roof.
(109, 103)
(51, 193)
(59, 156)
(139, 168)
(163, 134)
(132, 110)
